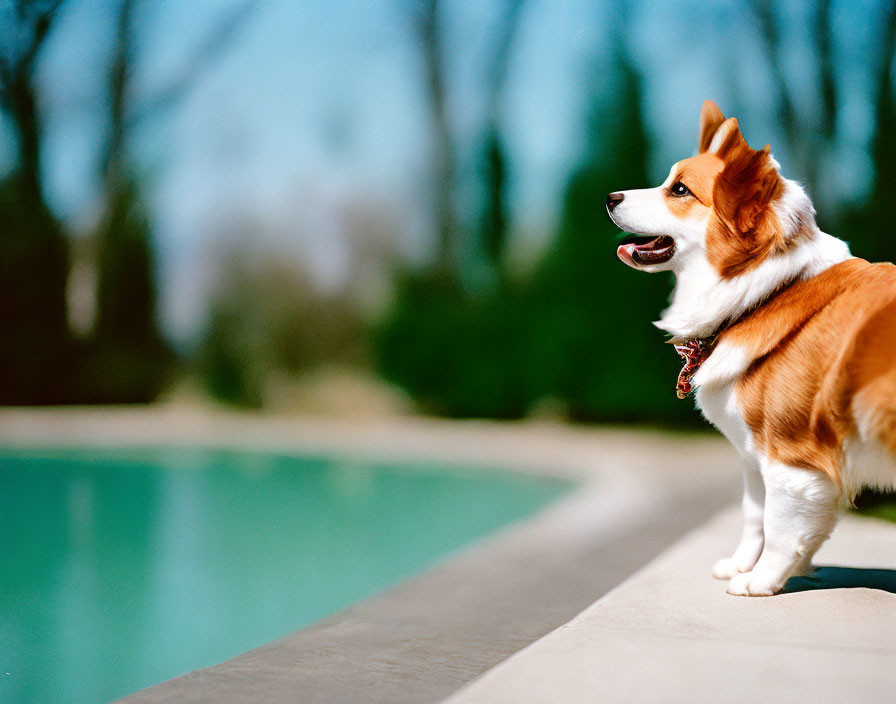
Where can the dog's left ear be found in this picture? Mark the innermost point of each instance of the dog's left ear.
(711, 118)
(743, 228)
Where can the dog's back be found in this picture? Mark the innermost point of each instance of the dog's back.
(824, 369)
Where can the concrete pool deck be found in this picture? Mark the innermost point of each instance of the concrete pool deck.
(427, 637)
(671, 634)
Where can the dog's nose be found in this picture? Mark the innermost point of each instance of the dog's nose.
(613, 200)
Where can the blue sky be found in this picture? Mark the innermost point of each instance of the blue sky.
(319, 104)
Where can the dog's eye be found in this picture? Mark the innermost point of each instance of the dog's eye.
(679, 189)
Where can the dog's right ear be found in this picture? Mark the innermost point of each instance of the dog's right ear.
(711, 118)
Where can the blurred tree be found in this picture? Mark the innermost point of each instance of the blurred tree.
(129, 360)
(771, 39)
(459, 349)
(266, 318)
(457, 354)
(809, 138)
(823, 31)
(590, 334)
(427, 22)
(578, 332)
(866, 225)
(124, 359)
(36, 356)
(494, 220)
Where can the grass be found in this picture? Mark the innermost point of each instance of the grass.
(877, 504)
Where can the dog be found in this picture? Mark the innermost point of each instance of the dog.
(789, 343)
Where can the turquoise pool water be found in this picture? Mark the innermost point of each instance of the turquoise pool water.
(121, 569)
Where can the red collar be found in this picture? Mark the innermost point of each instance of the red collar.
(693, 353)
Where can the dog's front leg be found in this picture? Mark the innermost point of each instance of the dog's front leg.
(801, 508)
(753, 536)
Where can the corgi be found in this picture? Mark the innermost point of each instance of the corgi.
(789, 343)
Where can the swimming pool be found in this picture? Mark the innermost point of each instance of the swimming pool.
(123, 568)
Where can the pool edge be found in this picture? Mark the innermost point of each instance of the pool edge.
(427, 637)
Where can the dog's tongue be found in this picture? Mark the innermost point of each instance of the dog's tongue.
(653, 251)
(625, 252)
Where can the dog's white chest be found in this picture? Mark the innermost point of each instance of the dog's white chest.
(719, 406)
(717, 397)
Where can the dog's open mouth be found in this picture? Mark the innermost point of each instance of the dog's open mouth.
(645, 250)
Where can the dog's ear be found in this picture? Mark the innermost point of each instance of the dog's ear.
(743, 228)
(727, 139)
(711, 118)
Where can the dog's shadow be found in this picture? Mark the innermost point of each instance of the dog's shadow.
(833, 577)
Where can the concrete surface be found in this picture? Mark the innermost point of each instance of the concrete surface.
(425, 638)
(671, 634)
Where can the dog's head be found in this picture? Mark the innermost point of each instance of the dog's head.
(728, 205)
(731, 228)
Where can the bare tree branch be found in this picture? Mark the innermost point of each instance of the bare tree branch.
(823, 32)
(18, 95)
(497, 68)
(771, 41)
(36, 19)
(428, 30)
(494, 223)
(884, 73)
(119, 78)
(200, 60)
(36, 359)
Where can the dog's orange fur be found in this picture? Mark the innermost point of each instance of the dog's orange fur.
(738, 184)
(699, 174)
(743, 229)
(818, 346)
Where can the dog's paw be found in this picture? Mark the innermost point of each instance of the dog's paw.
(755, 584)
(726, 568)
(803, 569)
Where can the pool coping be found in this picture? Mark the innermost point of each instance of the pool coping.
(429, 636)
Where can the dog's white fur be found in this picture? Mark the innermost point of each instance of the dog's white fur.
(788, 511)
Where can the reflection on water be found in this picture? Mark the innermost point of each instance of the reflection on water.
(122, 569)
